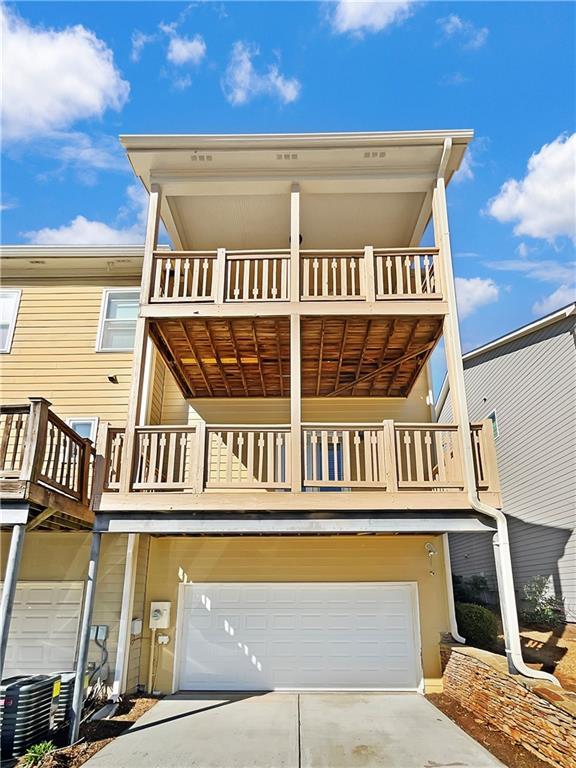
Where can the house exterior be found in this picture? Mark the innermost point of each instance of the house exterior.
(271, 492)
(535, 435)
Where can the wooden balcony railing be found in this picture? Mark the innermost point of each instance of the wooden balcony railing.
(384, 456)
(36, 446)
(249, 276)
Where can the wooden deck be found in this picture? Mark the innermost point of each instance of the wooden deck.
(46, 465)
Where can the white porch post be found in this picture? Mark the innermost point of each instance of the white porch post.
(123, 649)
(9, 589)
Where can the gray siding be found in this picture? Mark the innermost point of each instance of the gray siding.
(531, 384)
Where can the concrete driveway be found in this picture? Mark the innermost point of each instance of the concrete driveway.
(284, 730)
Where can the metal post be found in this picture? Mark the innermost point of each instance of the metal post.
(78, 698)
(9, 590)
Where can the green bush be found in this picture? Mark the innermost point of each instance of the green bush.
(472, 589)
(36, 753)
(478, 625)
(539, 606)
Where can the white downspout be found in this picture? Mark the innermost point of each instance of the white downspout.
(460, 408)
(450, 591)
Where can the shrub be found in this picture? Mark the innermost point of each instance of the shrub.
(478, 625)
(35, 754)
(471, 589)
(539, 606)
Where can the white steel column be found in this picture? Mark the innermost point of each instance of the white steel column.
(9, 588)
(295, 404)
(126, 612)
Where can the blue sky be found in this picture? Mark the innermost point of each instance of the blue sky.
(78, 74)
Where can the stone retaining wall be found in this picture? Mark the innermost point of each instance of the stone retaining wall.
(536, 714)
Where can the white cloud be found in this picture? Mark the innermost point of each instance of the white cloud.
(52, 78)
(359, 16)
(457, 78)
(465, 172)
(139, 41)
(129, 228)
(474, 292)
(185, 50)
(562, 296)
(543, 203)
(242, 82)
(468, 34)
(543, 270)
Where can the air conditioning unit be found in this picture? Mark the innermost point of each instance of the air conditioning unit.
(28, 706)
(62, 716)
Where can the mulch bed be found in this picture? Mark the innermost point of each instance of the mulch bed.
(498, 743)
(97, 733)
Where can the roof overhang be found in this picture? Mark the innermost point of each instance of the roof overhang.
(235, 178)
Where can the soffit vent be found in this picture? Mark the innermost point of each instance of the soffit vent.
(201, 158)
(286, 156)
(374, 155)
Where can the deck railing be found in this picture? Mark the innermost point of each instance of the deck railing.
(366, 274)
(36, 446)
(383, 456)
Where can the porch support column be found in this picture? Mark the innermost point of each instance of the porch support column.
(84, 640)
(123, 650)
(295, 243)
(135, 405)
(295, 404)
(9, 589)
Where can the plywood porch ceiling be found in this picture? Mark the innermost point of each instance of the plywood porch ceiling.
(250, 357)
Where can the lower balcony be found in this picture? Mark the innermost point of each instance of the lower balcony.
(385, 465)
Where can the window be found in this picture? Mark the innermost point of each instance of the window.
(9, 302)
(118, 320)
(85, 427)
(492, 417)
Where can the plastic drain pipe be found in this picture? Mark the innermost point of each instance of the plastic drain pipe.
(516, 663)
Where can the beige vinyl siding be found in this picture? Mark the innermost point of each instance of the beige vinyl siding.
(299, 559)
(54, 556)
(530, 383)
(53, 352)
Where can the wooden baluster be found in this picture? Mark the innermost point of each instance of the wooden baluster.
(176, 285)
(269, 457)
(427, 272)
(408, 455)
(260, 456)
(429, 463)
(362, 277)
(278, 475)
(344, 277)
(6, 429)
(381, 453)
(195, 279)
(417, 273)
(276, 264)
(16, 442)
(367, 455)
(440, 458)
(346, 455)
(305, 276)
(167, 277)
(389, 289)
(246, 280)
(229, 456)
(285, 279)
(152, 462)
(157, 278)
(324, 455)
(287, 459)
(205, 266)
(325, 291)
(265, 267)
(314, 443)
(359, 475)
(170, 475)
(53, 474)
(408, 275)
(399, 277)
(418, 455)
(250, 457)
(186, 278)
(335, 443)
(315, 268)
(352, 277)
(334, 267)
(380, 290)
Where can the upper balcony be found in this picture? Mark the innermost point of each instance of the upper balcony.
(45, 468)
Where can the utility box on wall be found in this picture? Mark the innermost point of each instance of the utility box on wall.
(160, 615)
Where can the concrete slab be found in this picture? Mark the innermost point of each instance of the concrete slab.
(283, 730)
(374, 730)
(209, 731)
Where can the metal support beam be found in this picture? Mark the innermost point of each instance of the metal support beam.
(123, 648)
(89, 593)
(9, 589)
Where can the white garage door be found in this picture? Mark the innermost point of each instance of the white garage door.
(44, 627)
(298, 636)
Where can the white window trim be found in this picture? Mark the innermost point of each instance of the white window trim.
(99, 336)
(12, 328)
(494, 423)
(94, 420)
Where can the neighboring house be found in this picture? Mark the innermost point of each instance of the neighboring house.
(525, 383)
(271, 492)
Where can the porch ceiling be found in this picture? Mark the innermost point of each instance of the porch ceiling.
(341, 356)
